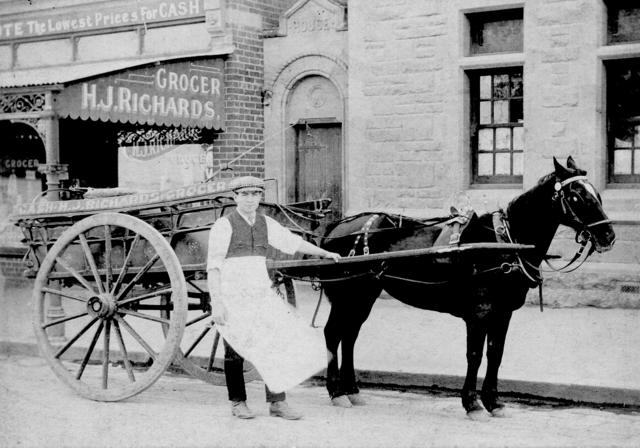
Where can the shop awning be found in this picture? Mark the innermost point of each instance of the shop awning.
(62, 74)
(185, 91)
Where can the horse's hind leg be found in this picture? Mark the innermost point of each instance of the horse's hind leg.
(476, 334)
(496, 337)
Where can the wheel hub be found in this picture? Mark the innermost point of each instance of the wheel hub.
(103, 305)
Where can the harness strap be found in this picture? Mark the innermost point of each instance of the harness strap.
(364, 231)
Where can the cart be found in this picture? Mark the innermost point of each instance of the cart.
(120, 290)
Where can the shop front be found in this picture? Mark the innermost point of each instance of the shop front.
(146, 127)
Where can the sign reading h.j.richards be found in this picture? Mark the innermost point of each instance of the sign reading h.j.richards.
(173, 94)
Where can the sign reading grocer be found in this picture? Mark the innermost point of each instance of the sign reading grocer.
(73, 19)
(174, 94)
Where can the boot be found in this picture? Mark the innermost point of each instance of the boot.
(341, 401)
(241, 410)
(282, 409)
(356, 399)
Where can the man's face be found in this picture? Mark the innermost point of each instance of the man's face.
(248, 200)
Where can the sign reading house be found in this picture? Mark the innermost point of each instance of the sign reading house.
(174, 94)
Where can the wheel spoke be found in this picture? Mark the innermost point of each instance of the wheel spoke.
(64, 319)
(144, 316)
(142, 271)
(89, 350)
(107, 258)
(105, 360)
(60, 352)
(78, 277)
(92, 262)
(197, 341)
(125, 265)
(137, 337)
(214, 348)
(148, 295)
(123, 349)
(199, 318)
(63, 294)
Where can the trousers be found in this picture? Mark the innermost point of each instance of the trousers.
(233, 373)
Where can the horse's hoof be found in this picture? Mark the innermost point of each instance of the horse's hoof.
(356, 399)
(500, 412)
(478, 415)
(342, 402)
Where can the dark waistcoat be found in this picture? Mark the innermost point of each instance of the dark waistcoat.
(247, 240)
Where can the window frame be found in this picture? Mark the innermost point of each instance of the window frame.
(612, 68)
(475, 127)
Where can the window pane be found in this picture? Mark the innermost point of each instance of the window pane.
(516, 111)
(501, 86)
(624, 23)
(485, 112)
(503, 163)
(636, 142)
(516, 85)
(517, 163)
(501, 112)
(622, 162)
(636, 162)
(485, 164)
(496, 31)
(622, 142)
(503, 138)
(518, 139)
(485, 140)
(485, 87)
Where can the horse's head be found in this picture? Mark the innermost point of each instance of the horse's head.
(580, 206)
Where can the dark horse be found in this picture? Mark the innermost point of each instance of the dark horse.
(485, 297)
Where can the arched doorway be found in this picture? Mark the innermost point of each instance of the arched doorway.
(315, 153)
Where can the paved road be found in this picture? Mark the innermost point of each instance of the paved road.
(39, 411)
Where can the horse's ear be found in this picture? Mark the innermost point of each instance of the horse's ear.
(571, 164)
(558, 168)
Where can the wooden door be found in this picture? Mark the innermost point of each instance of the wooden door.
(319, 164)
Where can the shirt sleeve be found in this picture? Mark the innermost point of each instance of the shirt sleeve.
(282, 238)
(219, 239)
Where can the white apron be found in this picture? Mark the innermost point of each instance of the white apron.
(264, 329)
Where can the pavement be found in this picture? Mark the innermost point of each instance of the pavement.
(584, 355)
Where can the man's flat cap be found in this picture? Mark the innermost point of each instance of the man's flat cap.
(242, 182)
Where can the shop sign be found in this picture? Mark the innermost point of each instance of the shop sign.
(122, 202)
(175, 94)
(100, 16)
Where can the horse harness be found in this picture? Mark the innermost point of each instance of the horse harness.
(583, 236)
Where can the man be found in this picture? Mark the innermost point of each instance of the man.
(255, 323)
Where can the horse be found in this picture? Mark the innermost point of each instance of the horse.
(482, 293)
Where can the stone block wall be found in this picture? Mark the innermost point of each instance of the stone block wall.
(409, 143)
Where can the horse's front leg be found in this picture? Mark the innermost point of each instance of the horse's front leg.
(332, 336)
(496, 337)
(476, 334)
(358, 315)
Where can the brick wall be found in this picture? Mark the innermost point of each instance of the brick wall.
(11, 269)
(244, 81)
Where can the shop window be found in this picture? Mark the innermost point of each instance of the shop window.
(623, 118)
(22, 151)
(497, 132)
(623, 20)
(496, 32)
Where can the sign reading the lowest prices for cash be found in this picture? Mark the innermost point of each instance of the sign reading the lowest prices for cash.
(100, 16)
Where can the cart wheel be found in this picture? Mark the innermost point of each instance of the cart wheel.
(201, 353)
(110, 271)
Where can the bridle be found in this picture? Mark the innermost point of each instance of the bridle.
(583, 235)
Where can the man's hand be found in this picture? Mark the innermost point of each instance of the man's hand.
(333, 255)
(218, 313)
